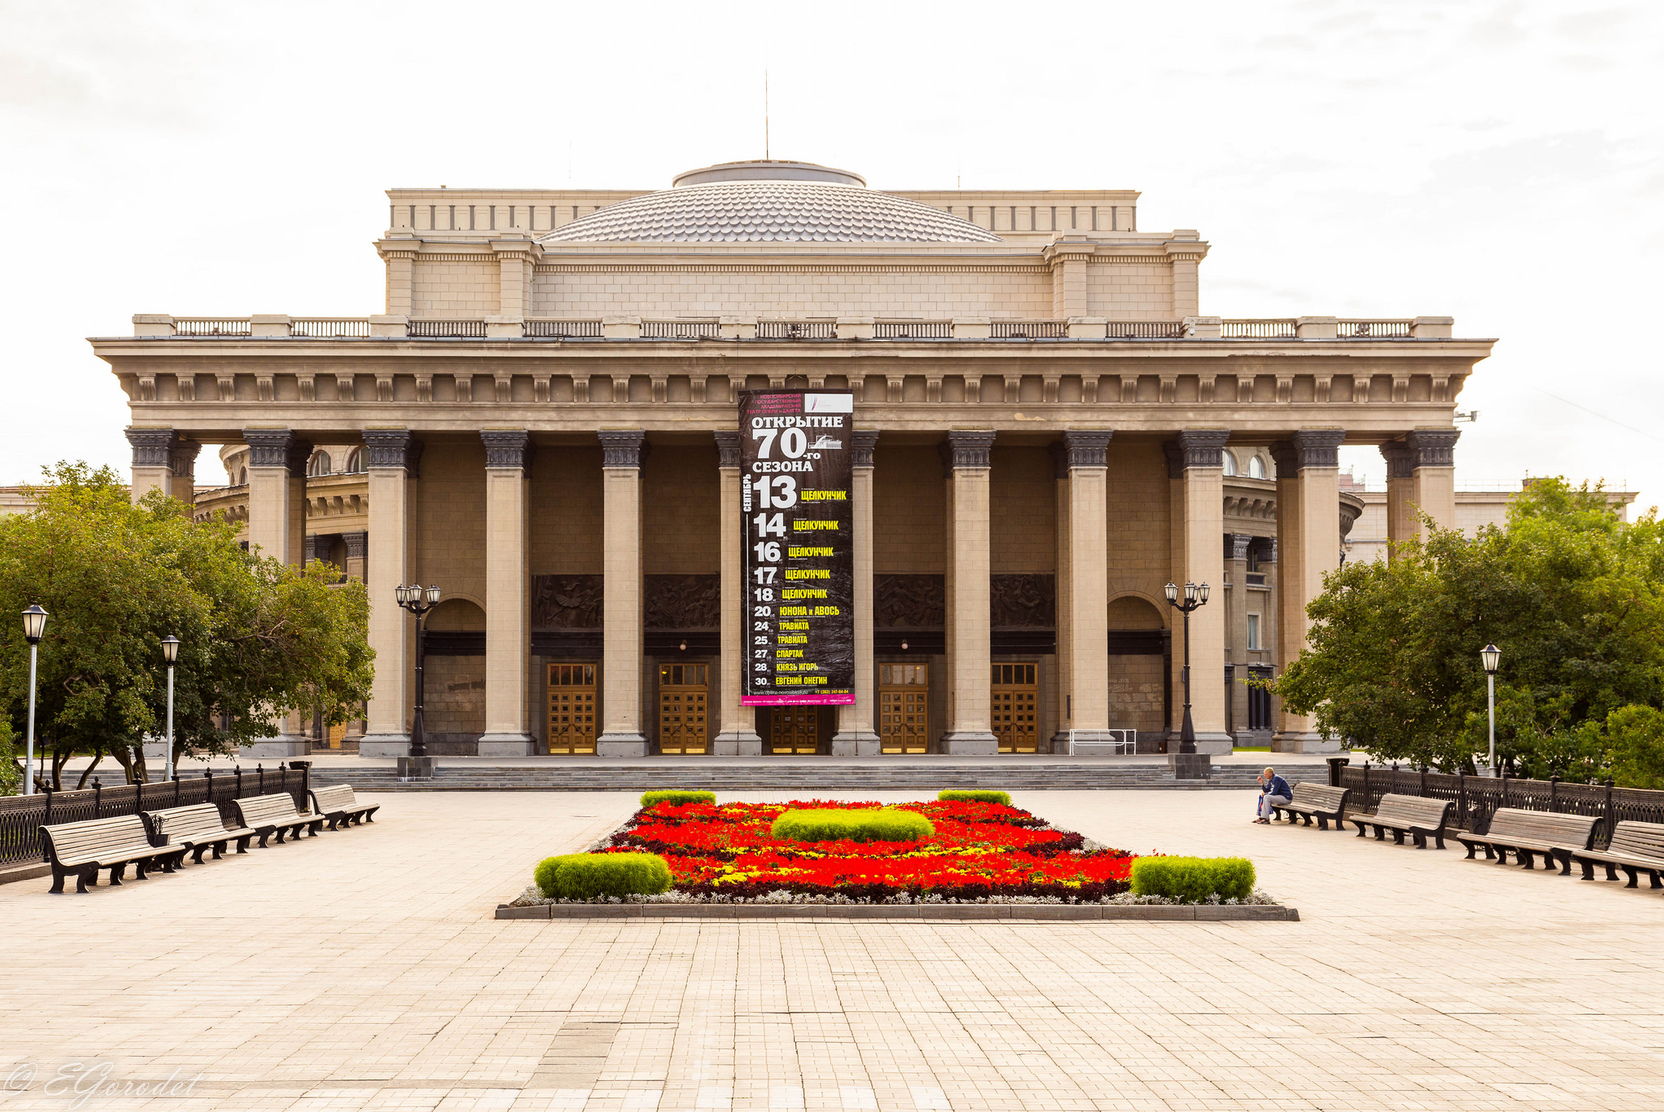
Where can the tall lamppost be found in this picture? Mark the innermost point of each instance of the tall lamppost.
(1490, 656)
(34, 627)
(170, 653)
(418, 600)
(1195, 596)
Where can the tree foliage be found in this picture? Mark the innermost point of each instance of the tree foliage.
(1571, 594)
(259, 638)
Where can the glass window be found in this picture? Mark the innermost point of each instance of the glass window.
(318, 464)
(1230, 464)
(1256, 468)
(1253, 631)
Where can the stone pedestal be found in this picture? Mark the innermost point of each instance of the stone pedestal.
(269, 748)
(384, 745)
(739, 744)
(621, 745)
(969, 743)
(1304, 743)
(505, 745)
(416, 768)
(1191, 766)
(855, 743)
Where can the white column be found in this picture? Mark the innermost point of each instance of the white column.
(1313, 458)
(856, 736)
(1086, 630)
(508, 457)
(276, 530)
(392, 458)
(152, 461)
(1202, 457)
(737, 733)
(969, 619)
(1401, 513)
(1433, 478)
(622, 620)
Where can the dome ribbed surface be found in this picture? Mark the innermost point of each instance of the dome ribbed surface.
(769, 212)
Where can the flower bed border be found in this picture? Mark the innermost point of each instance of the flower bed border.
(1209, 913)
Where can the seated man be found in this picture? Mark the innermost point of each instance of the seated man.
(1274, 792)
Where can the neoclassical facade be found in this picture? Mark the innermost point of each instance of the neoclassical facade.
(1048, 429)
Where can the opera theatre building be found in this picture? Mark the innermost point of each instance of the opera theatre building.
(773, 462)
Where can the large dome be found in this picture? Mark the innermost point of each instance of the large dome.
(769, 202)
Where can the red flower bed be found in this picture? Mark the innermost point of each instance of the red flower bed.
(979, 850)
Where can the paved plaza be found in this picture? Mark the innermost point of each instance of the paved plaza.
(362, 970)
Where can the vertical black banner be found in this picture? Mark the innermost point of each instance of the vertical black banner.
(799, 546)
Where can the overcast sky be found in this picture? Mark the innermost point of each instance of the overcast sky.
(1496, 162)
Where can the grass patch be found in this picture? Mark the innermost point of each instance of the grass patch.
(1193, 879)
(676, 797)
(881, 824)
(973, 795)
(585, 876)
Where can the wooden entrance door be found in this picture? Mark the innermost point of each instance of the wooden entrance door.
(571, 708)
(682, 696)
(794, 730)
(1016, 708)
(904, 708)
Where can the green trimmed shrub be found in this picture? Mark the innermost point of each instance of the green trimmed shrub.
(955, 795)
(878, 824)
(584, 876)
(1193, 879)
(676, 797)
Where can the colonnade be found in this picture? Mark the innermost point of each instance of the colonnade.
(1420, 481)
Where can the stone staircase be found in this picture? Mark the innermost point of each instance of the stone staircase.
(764, 775)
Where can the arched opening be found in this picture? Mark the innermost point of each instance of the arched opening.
(1140, 675)
(1229, 463)
(1256, 468)
(242, 476)
(454, 702)
(355, 461)
(318, 464)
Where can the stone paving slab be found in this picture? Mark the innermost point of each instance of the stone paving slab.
(362, 970)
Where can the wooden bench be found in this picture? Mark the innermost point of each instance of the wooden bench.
(275, 814)
(1529, 833)
(1636, 847)
(195, 830)
(1407, 814)
(338, 804)
(1315, 801)
(80, 849)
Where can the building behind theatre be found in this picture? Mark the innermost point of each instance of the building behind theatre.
(543, 423)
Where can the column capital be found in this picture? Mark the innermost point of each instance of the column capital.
(727, 448)
(623, 447)
(967, 449)
(1317, 447)
(508, 449)
(277, 448)
(356, 543)
(182, 456)
(1236, 545)
(1196, 448)
(1432, 447)
(1400, 460)
(1085, 447)
(151, 447)
(862, 443)
(389, 448)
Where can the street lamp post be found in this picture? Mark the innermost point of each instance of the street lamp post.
(418, 600)
(1195, 597)
(1490, 656)
(170, 653)
(34, 627)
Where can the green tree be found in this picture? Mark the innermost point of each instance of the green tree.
(1572, 595)
(259, 638)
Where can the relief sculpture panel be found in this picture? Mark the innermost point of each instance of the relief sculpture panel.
(566, 602)
(684, 601)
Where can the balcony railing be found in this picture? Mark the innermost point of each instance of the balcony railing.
(1146, 329)
(1374, 329)
(912, 330)
(679, 330)
(446, 329)
(1028, 330)
(797, 330)
(1259, 329)
(562, 329)
(212, 326)
(330, 328)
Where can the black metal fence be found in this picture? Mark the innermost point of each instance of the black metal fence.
(1477, 798)
(21, 817)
